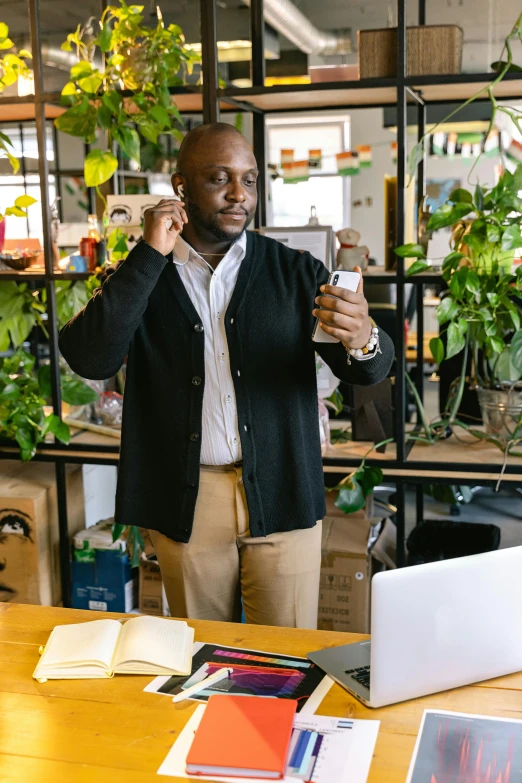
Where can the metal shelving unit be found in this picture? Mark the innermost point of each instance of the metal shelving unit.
(409, 465)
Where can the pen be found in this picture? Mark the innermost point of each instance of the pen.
(200, 686)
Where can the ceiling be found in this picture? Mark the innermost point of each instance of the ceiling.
(485, 22)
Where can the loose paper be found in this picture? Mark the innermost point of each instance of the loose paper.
(330, 750)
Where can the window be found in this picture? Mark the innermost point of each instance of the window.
(290, 204)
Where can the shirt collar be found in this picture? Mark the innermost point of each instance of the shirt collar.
(183, 251)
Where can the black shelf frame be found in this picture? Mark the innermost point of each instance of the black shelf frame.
(408, 90)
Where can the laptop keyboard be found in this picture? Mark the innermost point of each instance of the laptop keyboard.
(360, 675)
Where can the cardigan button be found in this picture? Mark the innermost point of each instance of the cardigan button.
(196, 380)
(198, 328)
(190, 486)
(194, 436)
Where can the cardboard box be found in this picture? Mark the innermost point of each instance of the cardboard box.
(105, 585)
(346, 570)
(25, 556)
(152, 593)
(17, 479)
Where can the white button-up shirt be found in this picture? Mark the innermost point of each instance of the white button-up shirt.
(210, 292)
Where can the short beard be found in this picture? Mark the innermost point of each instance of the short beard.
(211, 227)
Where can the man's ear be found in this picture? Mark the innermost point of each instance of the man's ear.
(178, 185)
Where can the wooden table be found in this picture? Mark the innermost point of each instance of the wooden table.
(89, 731)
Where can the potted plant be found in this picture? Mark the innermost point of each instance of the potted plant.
(480, 313)
(142, 62)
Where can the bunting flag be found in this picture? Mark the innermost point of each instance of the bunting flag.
(492, 144)
(514, 151)
(471, 144)
(287, 156)
(365, 155)
(393, 150)
(314, 159)
(438, 143)
(452, 144)
(347, 163)
(296, 171)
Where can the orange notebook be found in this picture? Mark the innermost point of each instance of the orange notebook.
(244, 736)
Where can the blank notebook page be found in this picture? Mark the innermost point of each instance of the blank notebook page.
(82, 643)
(154, 640)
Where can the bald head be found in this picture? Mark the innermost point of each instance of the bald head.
(207, 137)
(216, 177)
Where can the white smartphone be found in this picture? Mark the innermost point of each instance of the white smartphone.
(343, 279)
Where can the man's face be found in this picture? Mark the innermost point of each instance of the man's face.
(220, 187)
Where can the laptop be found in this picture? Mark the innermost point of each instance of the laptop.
(434, 627)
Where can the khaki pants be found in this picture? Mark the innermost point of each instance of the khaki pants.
(277, 576)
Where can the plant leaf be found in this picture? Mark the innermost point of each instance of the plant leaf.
(461, 196)
(112, 100)
(410, 250)
(104, 38)
(479, 198)
(80, 70)
(24, 201)
(456, 341)
(11, 391)
(452, 261)
(515, 351)
(448, 214)
(161, 115)
(129, 141)
(76, 392)
(446, 310)
(117, 530)
(99, 167)
(511, 238)
(414, 158)
(497, 344)
(416, 268)
(91, 83)
(437, 349)
(351, 498)
(44, 380)
(79, 120)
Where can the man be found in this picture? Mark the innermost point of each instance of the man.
(220, 452)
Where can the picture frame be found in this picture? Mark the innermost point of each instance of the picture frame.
(317, 240)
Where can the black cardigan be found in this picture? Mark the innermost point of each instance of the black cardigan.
(144, 312)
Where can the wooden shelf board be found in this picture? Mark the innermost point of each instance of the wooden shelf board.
(292, 99)
(19, 112)
(463, 449)
(461, 91)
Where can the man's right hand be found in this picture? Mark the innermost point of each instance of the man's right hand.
(163, 224)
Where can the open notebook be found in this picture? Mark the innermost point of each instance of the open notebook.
(143, 645)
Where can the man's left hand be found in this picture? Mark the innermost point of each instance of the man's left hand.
(345, 317)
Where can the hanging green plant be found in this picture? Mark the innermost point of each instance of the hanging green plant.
(12, 67)
(141, 61)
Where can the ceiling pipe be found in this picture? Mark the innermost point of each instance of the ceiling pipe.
(288, 20)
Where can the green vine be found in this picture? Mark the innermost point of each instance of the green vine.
(142, 62)
(12, 67)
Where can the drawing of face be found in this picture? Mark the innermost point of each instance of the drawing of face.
(120, 215)
(15, 528)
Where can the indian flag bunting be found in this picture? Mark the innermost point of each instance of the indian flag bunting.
(297, 171)
(438, 143)
(287, 156)
(393, 150)
(492, 144)
(347, 163)
(514, 151)
(314, 159)
(365, 155)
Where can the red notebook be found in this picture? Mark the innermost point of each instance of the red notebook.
(243, 736)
